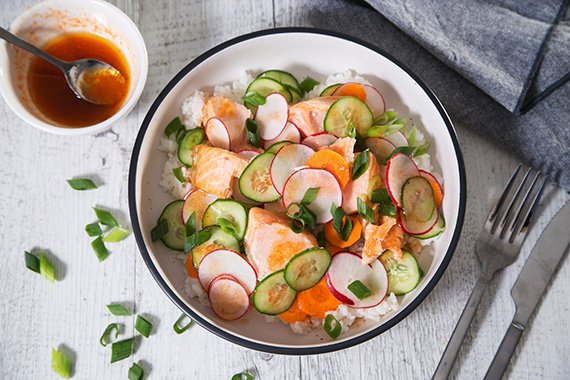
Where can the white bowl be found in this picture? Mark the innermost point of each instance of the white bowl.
(302, 52)
(50, 18)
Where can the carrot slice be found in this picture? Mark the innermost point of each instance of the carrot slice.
(351, 89)
(333, 238)
(294, 314)
(332, 162)
(190, 267)
(317, 300)
(437, 191)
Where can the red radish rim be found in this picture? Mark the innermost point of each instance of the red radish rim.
(379, 93)
(280, 191)
(229, 277)
(184, 199)
(228, 250)
(225, 126)
(402, 224)
(286, 118)
(388, 187)
(266, 144)
(398, 133)
(425, 173)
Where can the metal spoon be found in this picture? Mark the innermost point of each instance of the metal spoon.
(76, 72)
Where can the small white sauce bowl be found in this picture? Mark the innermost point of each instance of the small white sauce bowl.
(48, 19)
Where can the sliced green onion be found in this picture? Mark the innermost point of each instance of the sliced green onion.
(227, 226)
(308, 84)
(116, 235)
(302, 217)
(105, 217)
(387, 209)
(32, 262)
(422, 149)
(173, 127)
(143, 326)
(365, 211)
(242, 376)
(384, 130)
(253, 99)
(386, 117)
(335, 331)
(197, 238)
(180, 134)
(81, 184)
(118, 309)
(106, 337)
(310, 195)
(99, 247)
(159, 230)
(136, 372)
(360, 164)
(411, 136)
(252, 132)
(46, 268)
(380, 196)
(360, 290)
(321, 239)
(178, 174)
(407, 150)
(121, 350)
(93, 229)
(342, 224)
(190, 226)
(178, 329)
(60, 364)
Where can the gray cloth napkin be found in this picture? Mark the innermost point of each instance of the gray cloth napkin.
(486, 60)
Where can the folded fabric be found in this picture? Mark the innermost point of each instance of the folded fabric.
(540, 137)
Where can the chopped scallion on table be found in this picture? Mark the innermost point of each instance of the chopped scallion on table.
(179, 329)
(93, 229)
(99, 247)
(143, 326)
(106, 337)
(105, 217)
(32, 262)
(46, 268)
(60, 364)
(81, 184)
(121, 350)
(136, 372)
(118, 309)
(333, 331)
(116, 235)
(242, 376)
(360, 290)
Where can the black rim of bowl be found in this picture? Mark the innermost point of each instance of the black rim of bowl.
(276, 349)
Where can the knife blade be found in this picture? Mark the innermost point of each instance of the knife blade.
(531, 283)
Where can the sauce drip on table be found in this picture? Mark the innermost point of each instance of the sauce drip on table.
(53, 97)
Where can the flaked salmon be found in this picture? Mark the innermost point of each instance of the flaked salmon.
(232, 114)
(345, 147)
(309, 115)
(377, 239)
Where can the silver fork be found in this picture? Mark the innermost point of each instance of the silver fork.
(497, 246)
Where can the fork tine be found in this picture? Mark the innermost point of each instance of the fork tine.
(505, 213)
(518, 205)
(522, 221)
(496, 207)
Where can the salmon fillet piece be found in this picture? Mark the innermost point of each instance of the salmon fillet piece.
(377, 239)
(232, 114)
(363, 185)
(213, 170)
(309, 115)
(270, 243)
(345, 147)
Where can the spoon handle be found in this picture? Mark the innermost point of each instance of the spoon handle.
(11, 38)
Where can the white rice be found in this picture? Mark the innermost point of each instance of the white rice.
(192, 117)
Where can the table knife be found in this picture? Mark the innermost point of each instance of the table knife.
(531, 283)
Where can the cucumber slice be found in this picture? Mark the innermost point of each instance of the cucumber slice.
(328, 91)
(275, 147)
(265, 86)
(306, 268)
(191, 138)
(255, 181)
(347, 116)
(286, 79)
(272, 295)
(436, 230)
(174, 238)
(230, 210)
(404, 274)
(418, 214)
(218, 239)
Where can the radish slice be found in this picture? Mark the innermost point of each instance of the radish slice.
(374, 100)
(320, 140)
(248, 154)
(398, 170)
(272, 116)
(397, 138)
(347, 267)
(228, 297)
(380, 147)
(224, 261)
(290, 133)
(196, 201)
(288, 159)
(329, 191)
(430, 177)
(413, 227)
(218, 134)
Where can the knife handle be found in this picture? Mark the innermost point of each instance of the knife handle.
(450, 354)
(505, 352)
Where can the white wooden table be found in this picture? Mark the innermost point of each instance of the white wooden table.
(39, 210)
